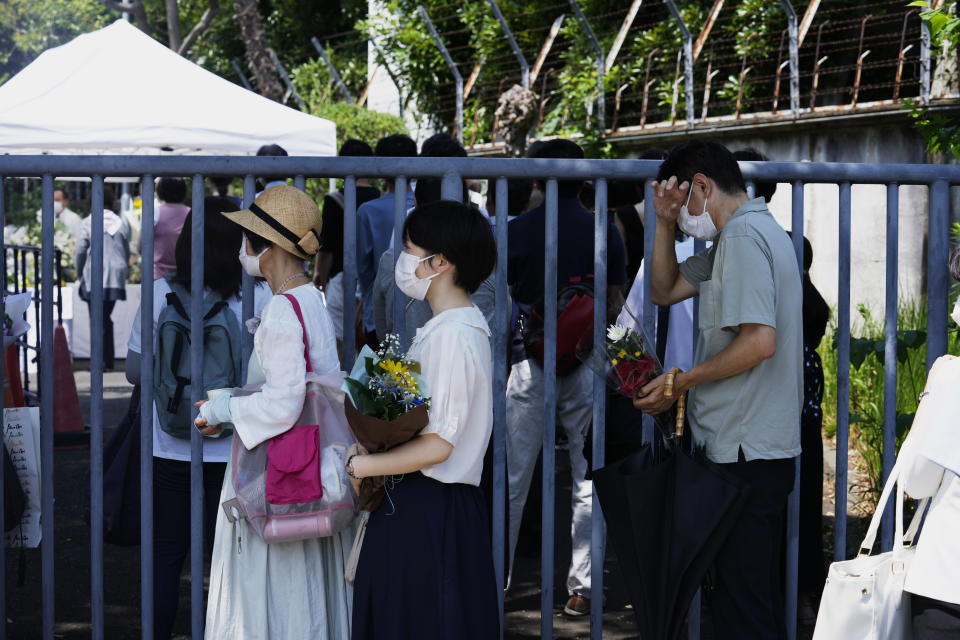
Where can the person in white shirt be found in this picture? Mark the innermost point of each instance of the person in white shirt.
(61, 209)
(933, 471)
(285, 589)
(426, 566)
(171, 463)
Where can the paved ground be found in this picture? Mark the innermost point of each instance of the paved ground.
(122, 565)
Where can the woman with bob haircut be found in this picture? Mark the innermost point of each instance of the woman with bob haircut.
(426, 567)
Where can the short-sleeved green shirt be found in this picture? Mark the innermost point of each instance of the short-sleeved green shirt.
(749, 275)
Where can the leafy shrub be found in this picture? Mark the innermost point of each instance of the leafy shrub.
(867, 350)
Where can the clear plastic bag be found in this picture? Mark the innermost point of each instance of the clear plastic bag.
(294, 486)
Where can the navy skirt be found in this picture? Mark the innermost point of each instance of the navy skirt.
(426, 566)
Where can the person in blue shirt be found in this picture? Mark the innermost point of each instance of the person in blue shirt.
(525, 275)
(375, 228)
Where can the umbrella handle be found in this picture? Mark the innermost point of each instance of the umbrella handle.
(681, 401)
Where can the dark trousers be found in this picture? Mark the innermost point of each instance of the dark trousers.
(108, 352)
(748, 601)
(934, 619)
(171, 531)
(812, 571)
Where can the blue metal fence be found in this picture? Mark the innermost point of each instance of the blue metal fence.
(452, 171)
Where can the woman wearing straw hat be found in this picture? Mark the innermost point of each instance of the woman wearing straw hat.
(287, 589)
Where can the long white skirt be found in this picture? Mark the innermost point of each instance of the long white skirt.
(279, 591)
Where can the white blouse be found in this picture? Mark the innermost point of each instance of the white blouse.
(278, 343)
(453, 350)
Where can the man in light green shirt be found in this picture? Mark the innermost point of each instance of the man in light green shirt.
(746, 386)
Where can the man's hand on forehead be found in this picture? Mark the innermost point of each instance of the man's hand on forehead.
(668, 197)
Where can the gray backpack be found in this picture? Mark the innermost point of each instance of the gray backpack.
(171, 364)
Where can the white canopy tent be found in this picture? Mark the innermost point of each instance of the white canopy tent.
(119, 91)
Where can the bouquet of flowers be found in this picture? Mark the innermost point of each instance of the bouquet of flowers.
(626, 359)
(386, 384)
(386, 405)
(633, 364)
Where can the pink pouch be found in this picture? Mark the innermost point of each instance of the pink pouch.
(293, 466)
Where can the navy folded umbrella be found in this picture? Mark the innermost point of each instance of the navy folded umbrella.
(668, 514)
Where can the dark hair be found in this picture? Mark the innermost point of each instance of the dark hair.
(172, 190)
(356, 149)
(534, 147)
(108, 200)
(431, 190)
(955, 263)
(518, 195)
(257, 242)
(761, 188)
(271, 150)
(221, 241)
(560, 148)
(441, 145)
(221, 184)
(396, 146)
(64, 192)
(461, 233)
(807, 252)
(653, 154)
(712, 159)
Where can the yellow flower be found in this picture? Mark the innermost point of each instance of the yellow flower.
(614, 361)
(622, 354)
(396, 369)
(636, 353)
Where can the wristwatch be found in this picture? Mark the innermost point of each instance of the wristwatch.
(349, 466)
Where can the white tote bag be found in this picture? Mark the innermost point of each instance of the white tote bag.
(863, 598)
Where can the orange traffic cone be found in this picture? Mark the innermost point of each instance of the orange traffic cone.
(66, 403)
(12, 382)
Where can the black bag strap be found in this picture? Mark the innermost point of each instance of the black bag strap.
(173, 404)
(173, 300)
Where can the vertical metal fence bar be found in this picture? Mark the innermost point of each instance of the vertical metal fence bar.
(45, 386)
(843, 377)
(549, 410)
(890, 354)
(693, 614)
(58, 257)
(300, 182)
(399, 217)
(349, 269)
(938, 287)
(247, 297)
(3, 377)
(146, 412)
(196, 394)
(751, 189)
(96, 409)
(501, 330)
(793, 504)
(598, 530)
(26, 353)
(649, 310)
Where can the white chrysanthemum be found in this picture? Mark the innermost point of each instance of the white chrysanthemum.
(617, 332)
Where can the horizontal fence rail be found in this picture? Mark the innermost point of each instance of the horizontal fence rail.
(938, 178)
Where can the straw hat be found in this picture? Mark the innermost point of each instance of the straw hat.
(285, 216)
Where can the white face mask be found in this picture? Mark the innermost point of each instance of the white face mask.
(405, 275)
(251, 264)
(700, 227)
(956, 312)
(57, 207)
